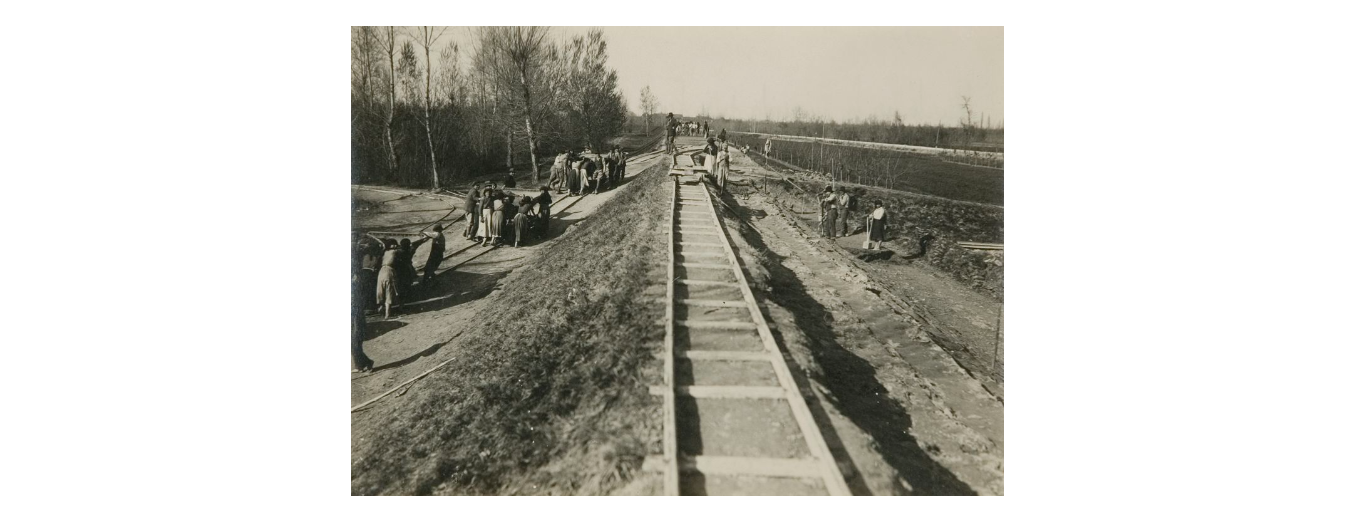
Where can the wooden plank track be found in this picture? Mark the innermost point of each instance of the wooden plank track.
(729, 363)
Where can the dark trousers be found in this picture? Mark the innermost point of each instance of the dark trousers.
(366, 282)
(360, 359)
(844, 220)
(430, 269)
(473, 218)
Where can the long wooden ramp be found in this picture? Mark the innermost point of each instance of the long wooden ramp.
(735, 421)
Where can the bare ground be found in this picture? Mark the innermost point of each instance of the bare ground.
(901, 416)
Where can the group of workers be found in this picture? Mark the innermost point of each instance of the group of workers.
(576, 174)
(713, 157)
(674, 127)
(384, 268)
(496, 217)
(691, 128)
(837, 207)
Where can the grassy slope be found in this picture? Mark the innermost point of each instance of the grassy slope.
(554, 372)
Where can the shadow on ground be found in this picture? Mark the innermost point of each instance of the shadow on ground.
(452, 288)
(376, 328)
(414, 357)
(852, 383)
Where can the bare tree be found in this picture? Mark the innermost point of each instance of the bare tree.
(589, 90)
(386, 41)
(967, 123)
(411, 73)
(426, 37)
(519, 58)
(649, 104)
(364, 65)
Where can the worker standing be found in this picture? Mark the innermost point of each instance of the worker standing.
(361, 363)
(386, 279)
(876, 225)
(369, 250)
(829, 205)
(722, 167)
(844, 210)
(439, 248)
(543, 209)
(472, 199)
(671, 134)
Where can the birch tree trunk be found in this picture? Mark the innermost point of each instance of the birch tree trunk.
(427, 113)
(391, 158)
(531, 131)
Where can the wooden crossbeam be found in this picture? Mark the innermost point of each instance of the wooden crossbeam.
(714, 324)
(740, 466)
(698, 282)
(703, 265)
(705, 354)
(732, 392)
(711, 303)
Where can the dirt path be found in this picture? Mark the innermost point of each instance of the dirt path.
(416, 339)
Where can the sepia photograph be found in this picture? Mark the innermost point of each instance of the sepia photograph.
(604, 261)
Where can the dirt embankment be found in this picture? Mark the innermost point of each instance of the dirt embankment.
(552, 396)
(899, 414)
(912, 217)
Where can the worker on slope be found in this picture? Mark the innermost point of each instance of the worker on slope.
(722, 167)
(439, 248)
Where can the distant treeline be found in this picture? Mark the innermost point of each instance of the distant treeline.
(971, 135)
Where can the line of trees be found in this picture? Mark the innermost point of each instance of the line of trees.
(519, 96)
(973, 132)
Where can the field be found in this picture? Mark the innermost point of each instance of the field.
(941, 176)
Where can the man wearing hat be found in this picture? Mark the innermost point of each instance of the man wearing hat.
(439, 247)
(671, 126)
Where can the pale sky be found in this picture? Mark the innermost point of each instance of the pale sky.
(836, 72)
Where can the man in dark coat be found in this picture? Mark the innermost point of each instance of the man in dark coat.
(543, 209)
(671, 134)
(439, 248)
(361, 363)
(369, 250)
(472, 199)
